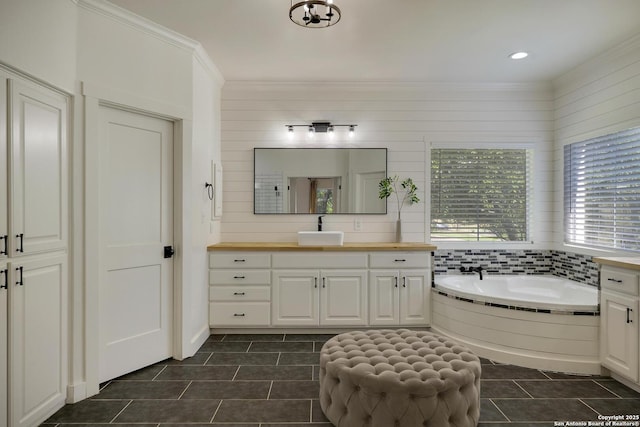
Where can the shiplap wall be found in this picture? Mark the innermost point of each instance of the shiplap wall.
(599, 97)
(404, 118)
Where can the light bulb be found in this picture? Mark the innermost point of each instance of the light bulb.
(290, 132)
(352, 131)
(311, 130)
(518, 55)
(330, 130)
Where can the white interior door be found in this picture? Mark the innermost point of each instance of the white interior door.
(136, 223)
(367, 192)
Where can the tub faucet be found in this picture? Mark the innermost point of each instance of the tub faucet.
(478, 270)
(320, 222)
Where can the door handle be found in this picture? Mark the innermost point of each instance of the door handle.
(20, 282)
(20, 238)
(168, 251)
(6, 279)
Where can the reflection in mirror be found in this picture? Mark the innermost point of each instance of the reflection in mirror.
(319, 180)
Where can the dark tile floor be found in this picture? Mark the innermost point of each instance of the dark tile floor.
(272, 381)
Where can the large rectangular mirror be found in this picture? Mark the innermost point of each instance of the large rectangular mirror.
(319, 180)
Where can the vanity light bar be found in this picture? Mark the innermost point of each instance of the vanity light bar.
(322, 127)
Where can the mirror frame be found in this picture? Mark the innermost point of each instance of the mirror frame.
(386, 171)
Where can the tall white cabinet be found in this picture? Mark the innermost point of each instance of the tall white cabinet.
(619, 330)
(33, 251)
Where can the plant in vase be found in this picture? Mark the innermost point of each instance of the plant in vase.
(405, 192)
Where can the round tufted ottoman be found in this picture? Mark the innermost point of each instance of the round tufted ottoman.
(387, 378)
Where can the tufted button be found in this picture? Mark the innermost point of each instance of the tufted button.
(383, 394)
(357, 388)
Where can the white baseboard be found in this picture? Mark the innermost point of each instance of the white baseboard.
(76, 392)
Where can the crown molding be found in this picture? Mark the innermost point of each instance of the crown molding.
(148, 27)
(387, 86)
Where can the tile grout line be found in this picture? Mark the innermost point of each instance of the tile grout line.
(500, 410)
(158, 374)
(278, 359)
(310, 411)
(216, 411)
(121, 411)
(185, 390)
(523, 389)
(610, 391)
(236, 373)
(585, 404)
(270, 387)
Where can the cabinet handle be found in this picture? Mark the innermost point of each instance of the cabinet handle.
(239, 260)
(323, 282)
(238, 314)
(20, 238)
(238, 277)
(404, 281)
(5, 238)
(20, 282)
(6, 279)
(396, 281)
(629, 315)
(611, 279)
(239, 293)
(315, 282)
(400, 260)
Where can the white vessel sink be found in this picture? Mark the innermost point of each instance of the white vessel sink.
(320, 238)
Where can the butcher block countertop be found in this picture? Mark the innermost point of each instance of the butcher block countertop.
(347, 247)
(632, 263)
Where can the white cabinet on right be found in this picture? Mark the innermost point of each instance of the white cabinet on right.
(619, 331)
(399, 296)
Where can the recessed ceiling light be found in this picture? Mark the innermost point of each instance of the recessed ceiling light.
(518, 55)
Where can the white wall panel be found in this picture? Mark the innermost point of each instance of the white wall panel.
(401, 117)
(597, 98)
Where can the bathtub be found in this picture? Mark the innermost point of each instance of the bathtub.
(541, 322)
(532, 292)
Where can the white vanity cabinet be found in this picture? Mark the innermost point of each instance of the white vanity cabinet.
(399, 296)
(282, 285)
(239, 289)
(333, 293)
(619, 330)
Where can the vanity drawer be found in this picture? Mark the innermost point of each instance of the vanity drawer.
(399, 260)
(619, 280)
(239, 314)
(319, 260)
(239, 260)
(239, 277)
(240, 293)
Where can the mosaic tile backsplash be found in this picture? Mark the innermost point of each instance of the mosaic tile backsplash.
(580, 268)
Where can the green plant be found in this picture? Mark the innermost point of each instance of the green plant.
(405, 191)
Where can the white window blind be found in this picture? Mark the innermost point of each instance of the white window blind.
(602, 191)
(480, 194)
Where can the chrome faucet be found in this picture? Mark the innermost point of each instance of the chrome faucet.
(320, 222)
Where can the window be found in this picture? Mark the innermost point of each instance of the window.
(602, 191)
(479, 194)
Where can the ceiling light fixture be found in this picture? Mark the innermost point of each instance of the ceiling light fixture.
(321, 127)
(518, 55)
(314, 13)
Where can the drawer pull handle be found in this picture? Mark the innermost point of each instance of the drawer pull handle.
(238, 277)
(239, 260)
(629, 315)
(238, 314)
(611, 279)
(239, 293)
(400, 260)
